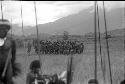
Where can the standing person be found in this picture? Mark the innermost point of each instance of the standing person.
(29, 46)
(8, 66)
(34, 75)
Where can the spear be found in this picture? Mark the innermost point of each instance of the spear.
(1, 10)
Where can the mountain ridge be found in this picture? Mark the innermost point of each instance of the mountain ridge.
(77, 24)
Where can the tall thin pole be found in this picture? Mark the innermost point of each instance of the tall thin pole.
(107, 45)
(11, 27)
(37, 36)
(100, 47)
(124, 27)
(22, 21)
(95, 41)
(1, 10)
(36, 24)
(70, 69)
(124, 37)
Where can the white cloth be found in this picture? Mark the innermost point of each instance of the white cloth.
(2, 41)
(63, 75)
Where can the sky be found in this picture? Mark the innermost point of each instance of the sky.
(48, 11)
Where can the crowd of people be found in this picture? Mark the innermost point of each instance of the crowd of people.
(59, 47)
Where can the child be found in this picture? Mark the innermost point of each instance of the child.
(34, 75)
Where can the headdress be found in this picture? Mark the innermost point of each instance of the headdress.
(5, 22)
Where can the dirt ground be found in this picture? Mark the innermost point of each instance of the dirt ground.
(83, 63)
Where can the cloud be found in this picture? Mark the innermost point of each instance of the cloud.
(48, 11)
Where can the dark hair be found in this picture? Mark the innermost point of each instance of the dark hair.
(93, 81)
(35, 64)
(122, 82)
(55, 76)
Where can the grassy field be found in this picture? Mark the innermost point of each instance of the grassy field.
(83, 63)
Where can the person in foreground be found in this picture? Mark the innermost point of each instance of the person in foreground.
(9, 68)
(34, 76)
